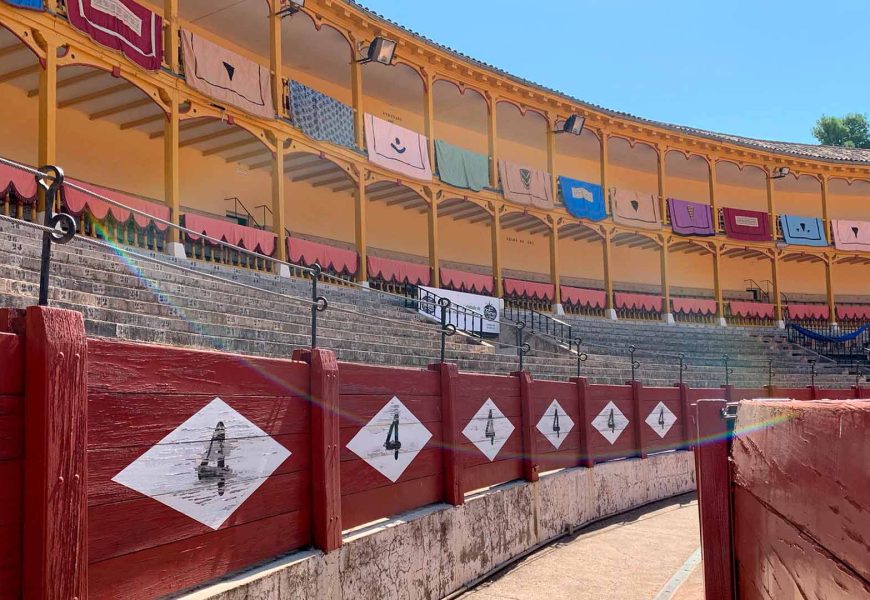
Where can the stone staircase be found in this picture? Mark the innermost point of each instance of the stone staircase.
(138, 300)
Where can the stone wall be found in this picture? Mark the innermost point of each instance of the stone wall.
(432, 552)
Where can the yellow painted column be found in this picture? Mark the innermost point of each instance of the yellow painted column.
(429, 114)
(717, 285)
(826, 215)
(714, 208)
(434, 260)
(771, 202)
(602, 141)
(661, 156)
(47, 150)
(171, 171)
(279, 214)
(551, 156)
(362, 275)
(276, 58)
(667, 314)
(829, 281)
(357, 93)
(170, 18)
(492, 131)
(496, 252)
(555, 273)
(608, 274)
(777, 296)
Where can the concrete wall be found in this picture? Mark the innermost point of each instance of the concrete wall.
(432, 552)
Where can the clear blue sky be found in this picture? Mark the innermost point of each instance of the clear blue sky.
(763, 68)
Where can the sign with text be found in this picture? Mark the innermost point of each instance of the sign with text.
(471, 313)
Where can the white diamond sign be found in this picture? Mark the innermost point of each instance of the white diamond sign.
(661, 419)
(555, 424)
(489, 429)
(208, 466)
(391, 440)
(610, 422)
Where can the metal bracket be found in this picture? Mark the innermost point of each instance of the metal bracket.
(635, 365)
(318, 303)
(582, 357)
(62, 226)
(729, 413)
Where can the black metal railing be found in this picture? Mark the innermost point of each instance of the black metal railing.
(539, 323)
(842, 344)
(462, 318)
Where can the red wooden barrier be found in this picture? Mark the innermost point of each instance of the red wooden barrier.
(527, 420)
(11, 455)
(662, 418)
(610, 410)
(558, 425)
(585, 429)
(56, 463)
(489, 414)
(714, 499)
(804, 393)
(452, 458)
(391, 439)
(199, 466)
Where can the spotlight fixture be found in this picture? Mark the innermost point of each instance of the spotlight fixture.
(290, 8)
(780, 172)
(381, 50)
(573, 124)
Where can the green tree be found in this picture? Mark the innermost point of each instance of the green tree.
(850, 131)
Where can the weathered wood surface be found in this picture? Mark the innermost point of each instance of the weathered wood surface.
(650, 398)
(803, 469)
(11, 454)
(714, 499)
(166, 527)
(550, 457)
(600, 396)
(325, 445)
(55, 468)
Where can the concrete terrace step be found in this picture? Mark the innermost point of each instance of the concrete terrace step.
(142, 301)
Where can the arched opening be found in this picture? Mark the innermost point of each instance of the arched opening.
(319, 198)
(241, 25)
(318, 58)
(688, 177)
(637, 278)
(747, 286)
(741, 186)
(852, 289)
(799, 195)
(581, 254)
(460, 117)
(849, 199)
(19, 73)
(398, 231)
(225, 177)
(802, 284)
(525, 250)
(522, 137)
(690, 277)
(394, 94)
(578, 156)
(103, 142)
(465, 235)
(632, 166)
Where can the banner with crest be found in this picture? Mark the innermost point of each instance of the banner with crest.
(122, 25)
(691, 218)
(525, 186)
(398, 149)
(803, 231)
(582, 199)
(635, 209)
(851, 236)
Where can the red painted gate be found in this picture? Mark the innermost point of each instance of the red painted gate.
(11, 454)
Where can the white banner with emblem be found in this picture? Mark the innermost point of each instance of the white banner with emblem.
(483, 316)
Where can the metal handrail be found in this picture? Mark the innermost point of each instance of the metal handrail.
(846, 351)
(540, 323)
(237, 203)
(466, 320)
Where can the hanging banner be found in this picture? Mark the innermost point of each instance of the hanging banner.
(525, 186)
(226, 76)
(803, 231)
(747, 225)
(690, 218)
(398, 149)
(121, 25)
(635, 209)
(583, 200)
(485, 318)
(31, 4)
(460, 167)
(852, 236)
(321, 117)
